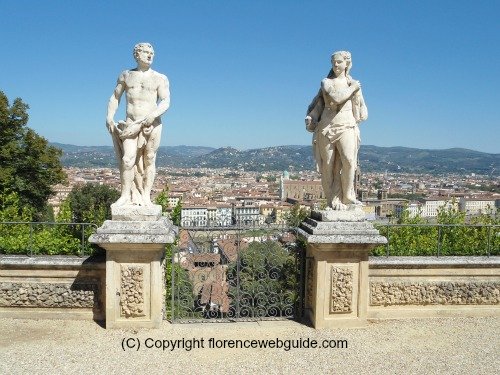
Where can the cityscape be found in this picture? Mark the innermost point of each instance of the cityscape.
(233, 196)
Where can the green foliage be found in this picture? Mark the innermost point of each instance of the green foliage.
(28, 165)
(296, 215)
(267, 279)
(162, 199)
(25, 237)
(91, 203)
(11, 208)
(184, 301)
(175, 216)
(452, 236)
(48, 215)
(409, 196)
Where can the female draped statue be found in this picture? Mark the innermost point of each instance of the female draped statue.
(333, 117)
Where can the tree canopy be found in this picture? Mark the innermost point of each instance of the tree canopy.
(91, 203)
(29, 166)
(296, 215)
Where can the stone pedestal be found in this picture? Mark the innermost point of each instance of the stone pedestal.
(134, 241)
(338, 246)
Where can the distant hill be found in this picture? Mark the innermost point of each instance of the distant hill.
(104, 156)
(372, 158)
(404, 159)
(260, 159)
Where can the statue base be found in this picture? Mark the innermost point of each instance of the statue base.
(136, 213)
(337, 267)
(135, 250)
(353, 213)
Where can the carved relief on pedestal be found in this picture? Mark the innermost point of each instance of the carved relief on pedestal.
(341, 290)
(132, 291)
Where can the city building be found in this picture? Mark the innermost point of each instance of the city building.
(301, 190)
(431, 206)
(477, 206)
(247, 214)
(194, 216)
(413, 209)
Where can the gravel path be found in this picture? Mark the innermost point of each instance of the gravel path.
(414, 346)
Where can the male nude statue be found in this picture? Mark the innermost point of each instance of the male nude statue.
(137, 139)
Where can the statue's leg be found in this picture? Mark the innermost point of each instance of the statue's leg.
(150, 162)
(337, 185)
(327, 152)
(348, 149)
(127, 170)
(137, 186)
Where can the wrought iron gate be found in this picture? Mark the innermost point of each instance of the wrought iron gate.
(225, 274)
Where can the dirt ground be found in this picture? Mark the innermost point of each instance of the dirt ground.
(413, 346)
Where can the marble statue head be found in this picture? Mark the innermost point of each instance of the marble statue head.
(347, 58)
(140, 48)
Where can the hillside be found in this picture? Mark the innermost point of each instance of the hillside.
(372, 158)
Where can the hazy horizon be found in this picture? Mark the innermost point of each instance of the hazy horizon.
(283, 145)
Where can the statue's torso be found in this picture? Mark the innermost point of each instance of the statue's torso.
(142, 92)
(336, 115)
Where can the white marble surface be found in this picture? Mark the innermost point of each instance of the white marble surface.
(134, 232)
(333, 117)
(135, 213)
(137, 138)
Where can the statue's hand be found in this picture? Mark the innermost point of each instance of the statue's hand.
(148, 121)
(355, 85)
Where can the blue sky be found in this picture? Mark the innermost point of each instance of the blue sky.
(242, 73)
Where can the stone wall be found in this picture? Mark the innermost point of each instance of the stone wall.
(61, 287)
(429, 286)
(66, 287)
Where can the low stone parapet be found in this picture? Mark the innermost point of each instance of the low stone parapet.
(69, 287)
(404, 287)
(57, 287)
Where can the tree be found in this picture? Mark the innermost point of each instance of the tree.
(21, 236)
(296, 215)
(91, 203)
(176, 213)
(162, 199)
(184, 301)
(28, 165)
